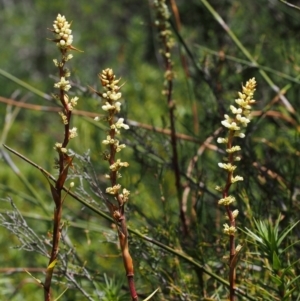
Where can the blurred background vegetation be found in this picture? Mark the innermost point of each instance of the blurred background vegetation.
(211, 60)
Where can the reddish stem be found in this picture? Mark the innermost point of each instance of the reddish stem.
(56, 192)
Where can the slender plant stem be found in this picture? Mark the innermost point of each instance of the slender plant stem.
(112, 106)
(166, 44)
(25, 85)
(64, 162)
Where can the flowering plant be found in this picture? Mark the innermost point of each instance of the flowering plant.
(240, 118)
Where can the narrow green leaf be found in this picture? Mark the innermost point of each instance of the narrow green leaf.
(286, 232)
(276, 280)
(56, 299)
(276, 262)
(37, 280)
(150, 296)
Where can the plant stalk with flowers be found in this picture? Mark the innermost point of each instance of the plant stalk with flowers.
(112, 106)
(167, 43)
(234, 124)
(63, 40)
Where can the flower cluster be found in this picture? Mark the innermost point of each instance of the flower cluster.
(63, 84)
(63, 32)
(162, 9)
(73, 133)
(58, 147)
(229, 230)
(165, 34)
(234, 123)
(112, 105)
(64, 39)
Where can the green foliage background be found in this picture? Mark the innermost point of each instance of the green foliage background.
(121, 35)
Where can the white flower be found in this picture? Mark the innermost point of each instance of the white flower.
(108, 107)
(63, 32)
(230, 125)
(236, 179)
(120, 124)
(233, 149)
(58, 147)
(118, 164)
(243, 104)
(63, 84)
(67, 73)
(234, 110)
(238, 248)
(115, 96)
(222, 140)
(63, 117)
(226, 201)
(241, 95)
(118, 106)
(229, 230)
(227, 166)
(73, 133)
(218, 188)
(74, 101)
(55, 62)
(124, 195)
(240, 135)
(120, 147)
(114, 189)
(235, 213)
(108, 140)
(69, 40)
(243, 120)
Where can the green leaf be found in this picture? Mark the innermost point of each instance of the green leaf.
(150, 296)
(56, 299)
(276, 263)
(286, 232)
(276, 280)
(37, 280)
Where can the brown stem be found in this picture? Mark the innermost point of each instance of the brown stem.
(118, 213)
(232, 264)
(169, 92)
(54, 251)
(175, 158)
(64, 163)
(129, 122)
(127, 260)
(232, 251)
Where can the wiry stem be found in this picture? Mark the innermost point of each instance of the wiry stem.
(234, 124)
(64, 40)
(112, 106)
(231, 222)
(167, 44)
(119, 216)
